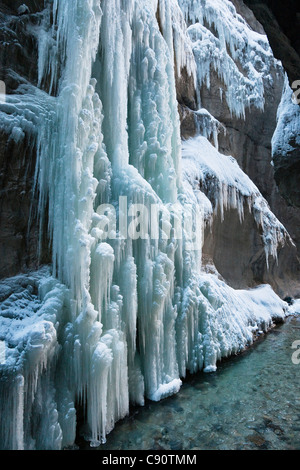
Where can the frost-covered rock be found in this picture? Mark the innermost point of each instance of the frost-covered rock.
(31, 313)
(228, 187)
(223, 43)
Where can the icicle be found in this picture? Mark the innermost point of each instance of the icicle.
(220, 39)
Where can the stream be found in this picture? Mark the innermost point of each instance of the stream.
(251, 402)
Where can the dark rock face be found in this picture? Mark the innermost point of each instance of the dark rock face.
(287, 175)
(186, 97)
(34, 6)
(19, 228)
(17, 240)
(237, 252)
(18, 44)
(281, 22)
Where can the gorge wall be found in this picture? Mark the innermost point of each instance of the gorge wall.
(117, 107)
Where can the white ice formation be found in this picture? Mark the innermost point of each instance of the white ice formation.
(122, 318)
(286, 136)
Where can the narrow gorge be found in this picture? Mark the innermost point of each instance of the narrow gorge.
(150, 205)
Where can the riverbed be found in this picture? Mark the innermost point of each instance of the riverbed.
(251, 402)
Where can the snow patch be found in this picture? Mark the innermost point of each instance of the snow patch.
(227, 186)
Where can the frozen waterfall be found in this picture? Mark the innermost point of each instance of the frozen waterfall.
(125, 311)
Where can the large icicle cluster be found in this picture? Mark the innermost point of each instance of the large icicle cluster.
(286, 136)
(223, 42)
(121, 317)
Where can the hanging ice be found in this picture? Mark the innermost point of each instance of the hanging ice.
(120, 317)
(288, 122)
(223, 42)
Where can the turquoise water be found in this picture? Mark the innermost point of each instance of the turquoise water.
(251, 402)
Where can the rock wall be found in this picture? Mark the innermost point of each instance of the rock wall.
(249, 141)
(18, 223)
(281, 23)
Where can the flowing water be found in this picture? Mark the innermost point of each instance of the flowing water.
(251, 402)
